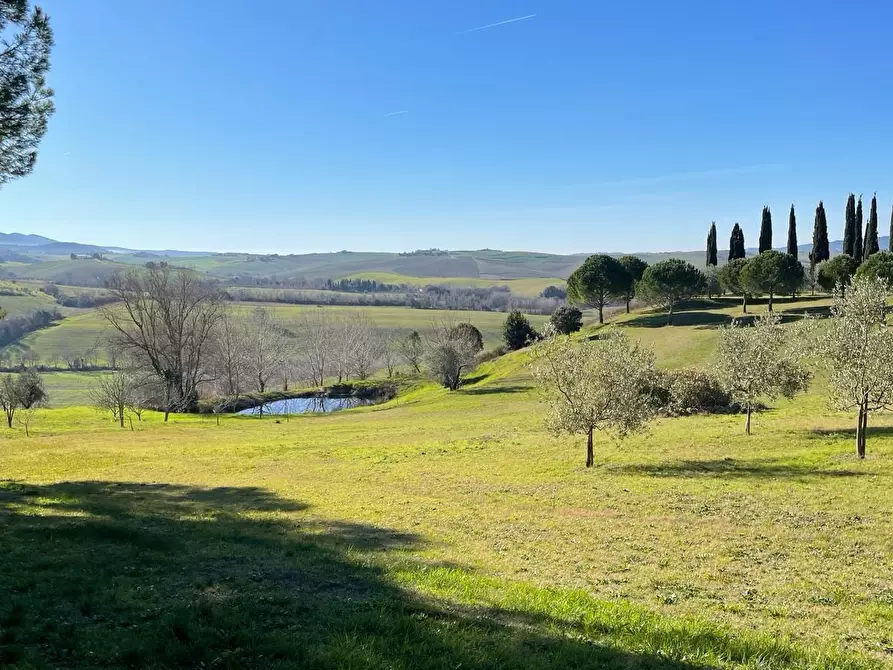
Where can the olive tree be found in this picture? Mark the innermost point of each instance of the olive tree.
(602, 384)
(755, 362)
(22, 393)
(668, 282)
(451, 352)
(771, 273)
(856, 347)
(599, 280)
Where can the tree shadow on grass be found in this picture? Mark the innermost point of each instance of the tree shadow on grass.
(696, 318)
(496, 390)
(850, 433)
(129, 575)
(730, 467)
(126, 575)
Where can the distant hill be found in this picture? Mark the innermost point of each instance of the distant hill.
(20, 240)
(37, 257)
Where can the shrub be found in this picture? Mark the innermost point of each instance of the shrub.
(517, 331)
(691, 391)
(567, 320)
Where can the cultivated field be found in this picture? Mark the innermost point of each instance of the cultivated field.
(85, 331)
(446, 530)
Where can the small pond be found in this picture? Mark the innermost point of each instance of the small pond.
(315, 405)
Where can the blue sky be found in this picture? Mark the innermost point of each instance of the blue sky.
(591, 126)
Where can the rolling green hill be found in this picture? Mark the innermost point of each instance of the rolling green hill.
(450, 529)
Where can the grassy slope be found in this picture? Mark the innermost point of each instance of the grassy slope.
(449, 529)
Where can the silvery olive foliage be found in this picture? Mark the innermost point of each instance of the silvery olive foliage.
(589, 385)
(855, 346)
(755, 362)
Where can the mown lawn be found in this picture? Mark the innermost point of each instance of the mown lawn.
(447, 530)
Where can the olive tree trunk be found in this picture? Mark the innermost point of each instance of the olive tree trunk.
(590, 458)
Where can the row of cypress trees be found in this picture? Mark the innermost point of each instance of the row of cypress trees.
(856, 244)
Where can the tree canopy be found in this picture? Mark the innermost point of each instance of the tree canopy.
(566, 320)
(711, 245)
(602, 384)
(729, 276)
(26, 102)
(856, 348)
(792, 234)
(517, 331)
(665, 283)
(635, 267)
(771, 273)
(600, 279)
(766, 230)
(736, 243)
(849, 229)
(754, 362)
(821, 250)
(871, 245)
(879, 264)
(837, 271)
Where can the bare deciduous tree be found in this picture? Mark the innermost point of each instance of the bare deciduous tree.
(593, 385)
(264, 347)
(413, 350)
(229, 356)
(364, 345)
(164, 319)
(315, 335)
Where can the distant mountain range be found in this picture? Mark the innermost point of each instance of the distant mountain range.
(45, 259)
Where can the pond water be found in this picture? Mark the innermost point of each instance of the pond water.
(306, 406)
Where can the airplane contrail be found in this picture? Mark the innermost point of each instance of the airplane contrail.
(401, 111)
(493, 25)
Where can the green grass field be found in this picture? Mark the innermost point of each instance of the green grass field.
(86, 331)
(446, 530)
(529, 287)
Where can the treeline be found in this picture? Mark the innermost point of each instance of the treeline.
(82, 300)
(491, 299)
(14, 328)
(776, 272)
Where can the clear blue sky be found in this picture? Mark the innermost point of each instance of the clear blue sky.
(226, 125)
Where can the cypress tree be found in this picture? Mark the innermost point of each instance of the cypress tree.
(736, 242)
(821, 250)
(849, 230)
(792, 234)
(857, 240)
(711, 245)
(766, 230)
(871, 245)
